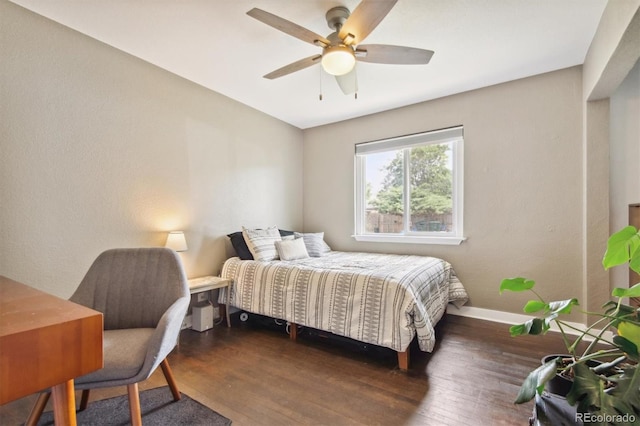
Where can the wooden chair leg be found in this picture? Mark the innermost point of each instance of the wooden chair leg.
(84, 400)
(134, 405)
(37, 409)
(166, 370)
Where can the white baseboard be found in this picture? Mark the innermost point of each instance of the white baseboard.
(503, 317)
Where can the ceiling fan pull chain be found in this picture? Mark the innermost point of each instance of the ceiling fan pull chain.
(320, 76)
(355, 92)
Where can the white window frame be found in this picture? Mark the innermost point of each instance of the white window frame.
(456, 137)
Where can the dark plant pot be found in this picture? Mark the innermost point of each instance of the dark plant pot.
(561, 385)
(552, 408)
(558, 385)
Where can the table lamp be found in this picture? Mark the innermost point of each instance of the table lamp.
(176, 241)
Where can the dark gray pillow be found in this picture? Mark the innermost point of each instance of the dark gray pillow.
(240, 246)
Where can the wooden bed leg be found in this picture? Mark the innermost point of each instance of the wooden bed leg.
(293, 331)
(403, 360)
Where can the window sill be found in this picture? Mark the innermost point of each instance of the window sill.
(410, 239)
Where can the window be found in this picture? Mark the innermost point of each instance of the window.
(409, 188)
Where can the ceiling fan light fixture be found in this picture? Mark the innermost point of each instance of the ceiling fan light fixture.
(338, 60)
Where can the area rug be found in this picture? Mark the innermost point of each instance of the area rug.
(157, 406)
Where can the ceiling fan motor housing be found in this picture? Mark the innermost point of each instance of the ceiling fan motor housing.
(336, 17)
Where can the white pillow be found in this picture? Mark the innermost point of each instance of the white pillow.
(261, 242)
(292, 249)
(314, 242)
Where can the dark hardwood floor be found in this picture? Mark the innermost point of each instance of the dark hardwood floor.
(254, 375)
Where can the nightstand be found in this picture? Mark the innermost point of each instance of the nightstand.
(198, 285)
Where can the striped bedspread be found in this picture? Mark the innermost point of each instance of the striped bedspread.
(380, 299)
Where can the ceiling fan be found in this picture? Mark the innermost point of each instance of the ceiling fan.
(341, 49)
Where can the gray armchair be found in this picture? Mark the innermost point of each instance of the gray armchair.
(143, 295)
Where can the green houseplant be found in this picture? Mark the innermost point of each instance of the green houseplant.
(612, 387)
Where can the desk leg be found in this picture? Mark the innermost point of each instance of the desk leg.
(64, 404)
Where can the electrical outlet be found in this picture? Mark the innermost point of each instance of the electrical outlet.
(186, 322)
(202, 297)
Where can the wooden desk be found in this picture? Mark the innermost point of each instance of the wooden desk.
(45, 342)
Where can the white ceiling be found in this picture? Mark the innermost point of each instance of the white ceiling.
(215, 44)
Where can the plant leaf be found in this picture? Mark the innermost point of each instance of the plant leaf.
(620, 313)
(518, 330)
(588, 391)
(625, 397)
(537, 326)
(627, 292)
(563, 306)
(627, 391)
(610, 306)
(628, 347)
(516, 284)
(622, 247)
(534, 306)
(535, 381)
(534, 327)
(634, 253)
(631, 333)
(548, 320)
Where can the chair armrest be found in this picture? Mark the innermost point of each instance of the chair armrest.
(165, 336)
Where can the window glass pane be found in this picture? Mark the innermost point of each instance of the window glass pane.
(409, 188)
(384, 193)
(431, 185)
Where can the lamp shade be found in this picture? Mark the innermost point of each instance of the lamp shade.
(338, 60)
(176, 241)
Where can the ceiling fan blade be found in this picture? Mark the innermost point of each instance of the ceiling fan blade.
(348, 82)
(288, 27)
(388, 54)
(295, 66)
(364, 19)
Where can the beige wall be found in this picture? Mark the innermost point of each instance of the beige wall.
(537, 194)
(523, 182)
(99, 149)
(614, 49)
(624, 158)
(611, 56)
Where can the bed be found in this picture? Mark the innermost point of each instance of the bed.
(381, 299)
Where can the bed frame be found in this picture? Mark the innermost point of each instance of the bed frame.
(400, 297)
(403, 357)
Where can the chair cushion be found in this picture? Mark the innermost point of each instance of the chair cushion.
(124, 353)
